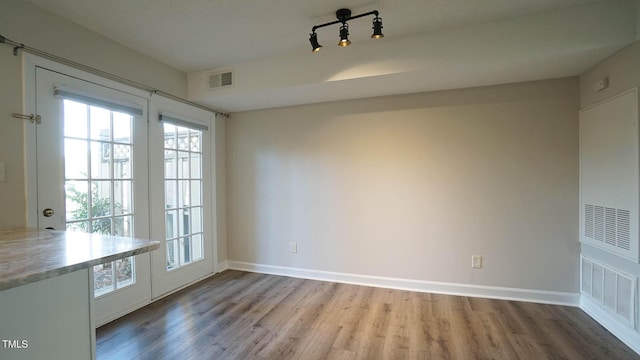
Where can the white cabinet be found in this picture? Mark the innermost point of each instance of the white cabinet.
(48, 319)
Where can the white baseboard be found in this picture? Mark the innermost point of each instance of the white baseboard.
(625, 333)
(492, 292)
(222, 266)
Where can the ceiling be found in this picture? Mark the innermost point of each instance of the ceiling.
(428, 45)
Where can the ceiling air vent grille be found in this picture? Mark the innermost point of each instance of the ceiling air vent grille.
(608, 225)
(220, 80)
(611, 289)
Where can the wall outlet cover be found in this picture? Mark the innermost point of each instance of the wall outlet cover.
(476, 261)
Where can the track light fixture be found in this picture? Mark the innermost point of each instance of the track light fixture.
(344, 35)
(377, 28)
(344, 15)
(313, 39)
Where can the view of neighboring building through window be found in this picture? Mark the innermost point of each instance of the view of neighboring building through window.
(183, 180)
(98, 146)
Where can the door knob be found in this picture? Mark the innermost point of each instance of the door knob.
(48, 212)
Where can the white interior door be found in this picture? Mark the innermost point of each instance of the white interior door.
(181, 194)
(92, 176)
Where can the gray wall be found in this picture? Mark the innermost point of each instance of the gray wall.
(411, 186)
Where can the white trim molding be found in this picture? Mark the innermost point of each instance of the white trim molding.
(491, 292)
(222, 266)
(625, 333)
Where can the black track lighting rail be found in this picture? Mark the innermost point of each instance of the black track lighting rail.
(344, 15)
(342, 20)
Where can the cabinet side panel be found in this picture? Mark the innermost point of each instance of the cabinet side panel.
(49, 319)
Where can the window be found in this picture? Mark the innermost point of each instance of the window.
(98, 153)
(183, 180)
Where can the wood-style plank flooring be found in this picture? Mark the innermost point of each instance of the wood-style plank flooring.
(240, 315)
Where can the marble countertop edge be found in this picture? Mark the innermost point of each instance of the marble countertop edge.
(35, 277)
(38, 276)
(25, 261)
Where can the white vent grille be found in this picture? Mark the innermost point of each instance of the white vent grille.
(588, 221)
(586, 276)
(608, 225)
(610, 289)
(220, 80)
(625, 302)
(615, 291)
(624, 225)
(597, 287)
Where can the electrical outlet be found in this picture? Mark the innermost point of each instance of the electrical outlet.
(293, 247)
(476, 261)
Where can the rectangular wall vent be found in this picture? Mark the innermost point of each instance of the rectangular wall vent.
(220, 80)
(613, 290)
(608, 225)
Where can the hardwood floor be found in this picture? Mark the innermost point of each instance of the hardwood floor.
(240, 315)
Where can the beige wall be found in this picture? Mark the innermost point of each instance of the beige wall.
(411, 186)
(221, 192)
(23, 22)
(12, 190)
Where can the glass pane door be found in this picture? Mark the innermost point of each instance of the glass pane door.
(183, 195)
(98, 182)
(182, 215)
(93, 176)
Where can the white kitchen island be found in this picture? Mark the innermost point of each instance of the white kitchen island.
(46, 292)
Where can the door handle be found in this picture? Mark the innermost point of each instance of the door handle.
(48, 212)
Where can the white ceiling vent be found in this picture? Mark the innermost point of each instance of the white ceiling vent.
(611, 289)
(220, 80)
